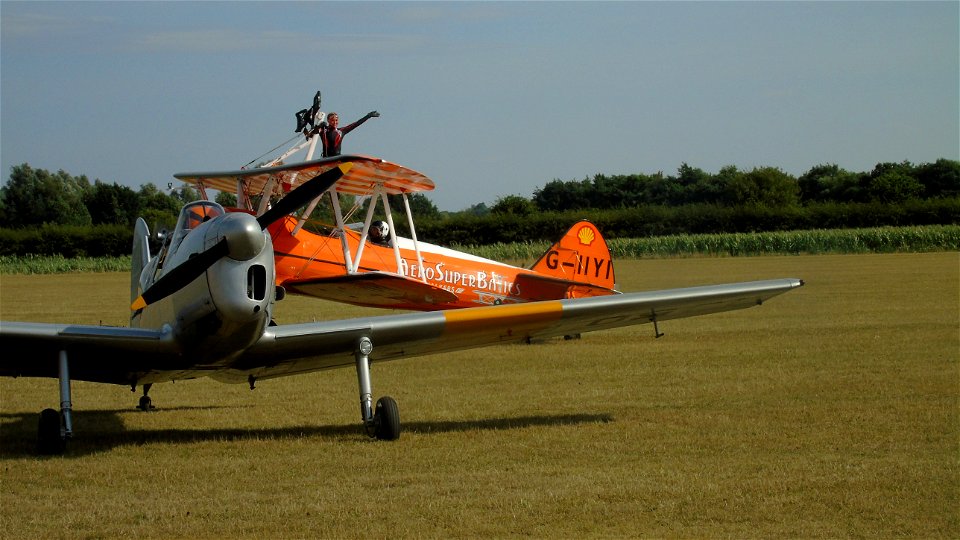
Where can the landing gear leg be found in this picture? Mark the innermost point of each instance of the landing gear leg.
(146, 403)
(56, 428)
(384, 422)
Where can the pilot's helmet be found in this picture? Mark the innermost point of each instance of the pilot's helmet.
(380, 232)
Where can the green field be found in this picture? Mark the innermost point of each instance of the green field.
(832, 411)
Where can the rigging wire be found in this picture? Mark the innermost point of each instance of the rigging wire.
(272, 150)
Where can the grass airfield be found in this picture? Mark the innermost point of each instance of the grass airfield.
(831, 411)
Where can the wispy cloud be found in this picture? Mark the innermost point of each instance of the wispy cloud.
(37, 25)
(234, 40)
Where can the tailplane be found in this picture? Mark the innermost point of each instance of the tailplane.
(581, 255)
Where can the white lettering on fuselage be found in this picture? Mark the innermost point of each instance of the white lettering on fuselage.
(439, 276)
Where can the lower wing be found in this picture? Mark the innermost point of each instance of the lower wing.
(136, 356)
(374, 289)
(300, 348)
(105, 354)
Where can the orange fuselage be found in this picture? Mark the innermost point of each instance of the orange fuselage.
(470, 281)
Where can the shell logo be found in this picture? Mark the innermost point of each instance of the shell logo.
(586, 235)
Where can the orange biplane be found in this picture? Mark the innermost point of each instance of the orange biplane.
(364, 264)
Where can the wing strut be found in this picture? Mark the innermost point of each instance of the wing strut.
(371, 206)
(386, 210)
(338, 216)
(413, 236)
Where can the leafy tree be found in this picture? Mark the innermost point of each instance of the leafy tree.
(893, 183)
(515, 205)
(226, 199)
(420, 205)
(112, 204)
(158, 209)
(728, 175)
(828, 182)
(663, 190)
(699, 185)
(940, 179)
(557, 195)
(184, 195)
(764, 186)
(34, 196)
(479, 209)
(894, 186)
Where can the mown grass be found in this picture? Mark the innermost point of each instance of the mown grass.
(833, 411)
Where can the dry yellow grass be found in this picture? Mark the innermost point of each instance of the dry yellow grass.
(833, 411)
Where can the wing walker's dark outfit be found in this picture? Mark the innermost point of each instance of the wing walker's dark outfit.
(332, 138)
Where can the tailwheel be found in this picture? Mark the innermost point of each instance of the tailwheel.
(146, 403)
(50, 437)
(386, 420)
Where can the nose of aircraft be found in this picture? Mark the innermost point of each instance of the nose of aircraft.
(244, 237)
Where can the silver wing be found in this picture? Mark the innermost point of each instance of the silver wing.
(105, 354)
(137, 356)
(301, 348)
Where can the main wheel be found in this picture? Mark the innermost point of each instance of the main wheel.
(386, 418)
(49, 433)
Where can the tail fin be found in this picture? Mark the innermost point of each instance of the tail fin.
(581, 255)
(141, 256)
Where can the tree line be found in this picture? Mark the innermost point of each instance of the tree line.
(34, 197)
(692, 200)
(887, 183)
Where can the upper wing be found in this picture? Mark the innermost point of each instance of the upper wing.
(96, 353)
(379, 289)
(366, 172)
(300, 348)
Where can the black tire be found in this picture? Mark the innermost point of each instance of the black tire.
(49, 433)
(386, 418)
(145, 403)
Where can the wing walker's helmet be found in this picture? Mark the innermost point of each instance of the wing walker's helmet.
(380, 232)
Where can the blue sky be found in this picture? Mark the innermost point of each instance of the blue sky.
(488, 99)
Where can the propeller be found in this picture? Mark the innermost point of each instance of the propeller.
(197, 264)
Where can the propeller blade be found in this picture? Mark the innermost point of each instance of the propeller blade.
(181, 276)
(195, 266)
(308, 191)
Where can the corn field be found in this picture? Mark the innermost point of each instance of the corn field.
(876, 240)
(58, 264)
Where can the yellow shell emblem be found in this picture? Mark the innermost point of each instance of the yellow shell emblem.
(586, 235)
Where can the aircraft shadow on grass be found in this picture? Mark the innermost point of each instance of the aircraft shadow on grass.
(107, 431)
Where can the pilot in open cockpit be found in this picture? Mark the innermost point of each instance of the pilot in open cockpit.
(380, 233)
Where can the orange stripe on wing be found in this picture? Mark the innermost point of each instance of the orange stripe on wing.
(518, 317)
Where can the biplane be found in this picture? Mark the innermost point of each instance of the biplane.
(363, 263)
(202, 307)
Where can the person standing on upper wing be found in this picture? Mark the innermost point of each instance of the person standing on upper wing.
(332, 136)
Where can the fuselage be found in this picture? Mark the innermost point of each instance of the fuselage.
(217, 315)
(474, 280)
